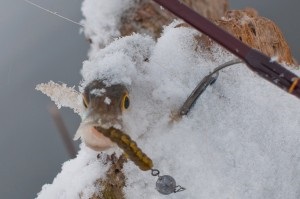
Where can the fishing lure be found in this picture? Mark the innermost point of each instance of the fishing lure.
(134, 153)
(203, 84)
(165, 184)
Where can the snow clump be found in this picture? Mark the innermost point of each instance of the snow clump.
(240, 139)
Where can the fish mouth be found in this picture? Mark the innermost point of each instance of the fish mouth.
(101, 137)
(90, 134)
(93, 118)
(93, 138)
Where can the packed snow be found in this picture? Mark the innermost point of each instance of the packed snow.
(240, 139)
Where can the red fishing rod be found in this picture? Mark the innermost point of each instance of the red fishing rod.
(255, 60)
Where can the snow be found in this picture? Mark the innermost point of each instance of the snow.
(102, 21)
(77, 178)
(98, 92)
(274, 59)
(240, 139)
(117, 62)
(107, 101)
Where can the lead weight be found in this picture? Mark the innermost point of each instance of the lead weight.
(166, 185)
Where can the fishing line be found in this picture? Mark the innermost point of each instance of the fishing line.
(204, 83)
(54, 13)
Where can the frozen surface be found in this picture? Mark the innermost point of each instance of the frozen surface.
(240, 140)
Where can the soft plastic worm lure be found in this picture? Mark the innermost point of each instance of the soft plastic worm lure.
(165, 184)
(134, 153)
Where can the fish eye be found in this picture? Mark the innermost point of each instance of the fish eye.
(125, 102)
(84, 101)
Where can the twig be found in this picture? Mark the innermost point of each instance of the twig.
(54, 112)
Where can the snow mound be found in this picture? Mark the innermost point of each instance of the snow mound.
(240, 140)
(119, 62)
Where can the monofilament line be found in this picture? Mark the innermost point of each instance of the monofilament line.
(54, 13)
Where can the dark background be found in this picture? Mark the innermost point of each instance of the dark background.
(37, 47)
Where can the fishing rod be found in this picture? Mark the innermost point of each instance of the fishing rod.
(255, 60)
